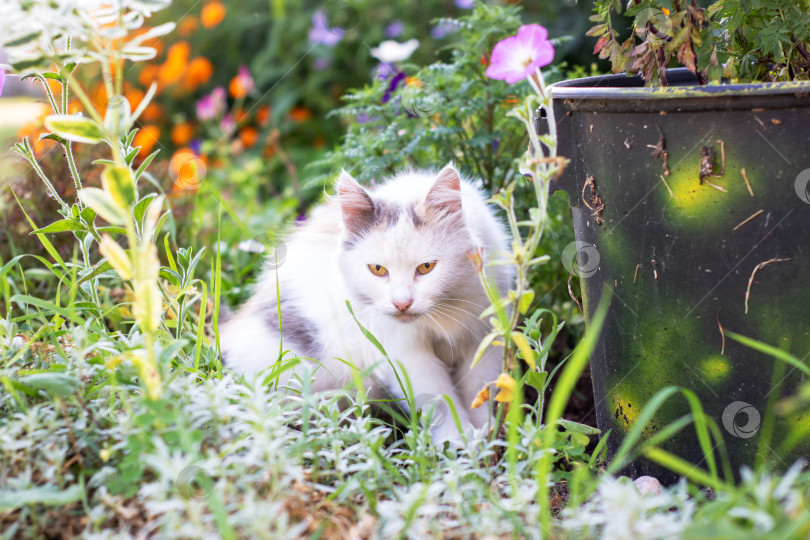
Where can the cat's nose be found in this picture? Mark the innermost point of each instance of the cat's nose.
(402, 305)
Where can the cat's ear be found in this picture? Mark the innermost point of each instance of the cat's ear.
(445, 194)
(355, 203)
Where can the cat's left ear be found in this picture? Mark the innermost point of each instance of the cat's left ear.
(445, 194)
(355, 203)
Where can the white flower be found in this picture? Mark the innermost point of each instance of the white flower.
(394, 51)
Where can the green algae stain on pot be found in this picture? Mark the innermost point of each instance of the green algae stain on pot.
(713, 203)
(715, 369)
(626, 406)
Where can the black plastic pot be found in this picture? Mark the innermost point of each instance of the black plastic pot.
(689, 254)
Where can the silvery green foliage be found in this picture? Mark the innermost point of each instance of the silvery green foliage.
(618, 511)
(36, 33)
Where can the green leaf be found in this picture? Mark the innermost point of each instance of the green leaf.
(142, 205)
(55, 384)
(74, 128)
(525, 301)
(63, 225)
(486, 342)
(104, 205)
(117, 181)
(45, 495)
(27, 38)
(537, 379)
(576, 427)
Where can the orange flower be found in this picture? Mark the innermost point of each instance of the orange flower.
(187, 169)
(146, 138)
(176, 61)
(318, 142)
(212, 14)
(134, 97)
(263, 115)
(182, 133)
(199, 71)
(249, 136)
(148, 73)
(300, 114)
(152, 112)
(242, 84)
(187, 26)
(240, 115)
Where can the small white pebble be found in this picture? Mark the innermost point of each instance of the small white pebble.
(647, 484)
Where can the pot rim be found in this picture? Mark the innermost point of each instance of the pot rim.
(624, 87)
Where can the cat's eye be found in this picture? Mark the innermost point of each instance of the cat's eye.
(424, 268)
(378, 269)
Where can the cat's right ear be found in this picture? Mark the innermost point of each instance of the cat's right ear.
(355, 203)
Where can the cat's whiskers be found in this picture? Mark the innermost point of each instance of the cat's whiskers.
(440, 311)
(476, 304)
(449, 341)
(462, 310)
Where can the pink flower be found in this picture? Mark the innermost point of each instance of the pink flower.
(2, 80)
(211, 106)
(517, 57)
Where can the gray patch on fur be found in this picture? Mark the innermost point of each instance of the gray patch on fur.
(415, 219)
(383, 216)
(294, 328)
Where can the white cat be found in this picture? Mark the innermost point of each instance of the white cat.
(401, 255)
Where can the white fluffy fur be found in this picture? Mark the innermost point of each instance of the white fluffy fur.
(322, 270)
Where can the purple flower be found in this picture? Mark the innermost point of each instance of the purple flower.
(392, 86)
(211, 106)
(321, 63)
(517, 57)
(2, 80)
(384, 71)
(465, 4)
(442, 29)
(195, 146)
(321, 33)
(394, 29)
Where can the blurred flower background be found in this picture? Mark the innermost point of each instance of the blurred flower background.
(257, 98)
